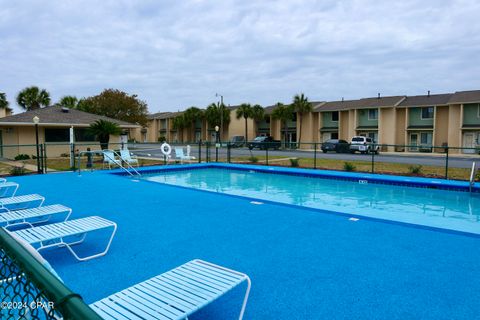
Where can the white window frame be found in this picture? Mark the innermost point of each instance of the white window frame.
(421, 113)
(368, 114)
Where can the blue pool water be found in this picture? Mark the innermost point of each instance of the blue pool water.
(453, 210)
(304, 264)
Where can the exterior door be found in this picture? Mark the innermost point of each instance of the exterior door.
(469, 142)
(413, 142)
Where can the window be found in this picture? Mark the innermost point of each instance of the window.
(427, 113)
(426, 138)
(57, 135)
(294, 117)
(335, 116)
(334, 135)
(372, 114)
(83, 135)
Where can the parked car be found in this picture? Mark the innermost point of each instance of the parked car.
(339, 146)
(363, 145)
(264, 142)
(237, 141)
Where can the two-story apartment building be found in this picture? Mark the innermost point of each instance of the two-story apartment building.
(411, 123)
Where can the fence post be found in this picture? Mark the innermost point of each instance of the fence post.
(446, 162)
(40, 159)
(229, 150)
(373, 160)
(266, 154)
(200, 151)
(45, 169)
(207, 145)
(315, 155)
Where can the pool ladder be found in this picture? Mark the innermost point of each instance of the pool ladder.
(472, 176)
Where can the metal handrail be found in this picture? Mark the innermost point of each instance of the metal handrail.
(103, 153)
(472, 176)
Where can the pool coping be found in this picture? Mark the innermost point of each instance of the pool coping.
(416, 182)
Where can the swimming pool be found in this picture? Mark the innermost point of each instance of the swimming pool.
(452, 210)
(303, 264)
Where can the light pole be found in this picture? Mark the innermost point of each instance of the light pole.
(36, 120)
(216, 143)
(221, 111)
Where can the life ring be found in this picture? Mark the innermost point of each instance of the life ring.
(166, 149)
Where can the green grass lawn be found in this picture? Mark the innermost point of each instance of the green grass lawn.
(366, 166)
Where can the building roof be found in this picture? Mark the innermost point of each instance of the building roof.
(426, 100)
(56, 115)
(364, 103)
(472, 96)
(269, 110)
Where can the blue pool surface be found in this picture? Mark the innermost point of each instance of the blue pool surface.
(452, 210)
(304, 264)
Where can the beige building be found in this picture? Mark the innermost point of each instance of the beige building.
(400, 123)
(18, 136)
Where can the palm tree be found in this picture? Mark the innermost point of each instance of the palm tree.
(245, 111)
(217, 115)
(179, 123)
(301, 106)
(191, 116)
(70, 102)
(3, 101)
(284, 113)
(102, 130)
(32, 98)
(258, 114)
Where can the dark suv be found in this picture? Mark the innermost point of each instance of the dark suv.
(339, 146)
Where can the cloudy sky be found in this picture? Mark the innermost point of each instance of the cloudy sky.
(175, 54)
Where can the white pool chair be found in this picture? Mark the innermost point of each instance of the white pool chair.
(3, 180)
(179, 155)
(8, 189)
(21, 202)
(109, 159)
(127, 157)
(33, 216)
(67, 234)
(175, 294)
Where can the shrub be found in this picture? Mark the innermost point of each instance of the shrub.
(162, 139)
(253, 159)
(348, 166)
(17, 170)
(415, 169)
(294, 162)
(22, 157)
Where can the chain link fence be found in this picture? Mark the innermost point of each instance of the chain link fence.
(28, 290)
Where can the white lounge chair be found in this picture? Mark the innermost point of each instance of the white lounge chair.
(8, 189)
(127, 157)
(179, 155)
(175, 294)
(67, 234)
(33, 216)
(21, 202)
(3, 180)
(109, 159)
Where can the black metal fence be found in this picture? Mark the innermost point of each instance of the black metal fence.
(432, 161)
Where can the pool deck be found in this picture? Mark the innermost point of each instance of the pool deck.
(303, 264)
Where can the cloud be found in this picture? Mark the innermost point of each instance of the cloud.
(176, 54)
